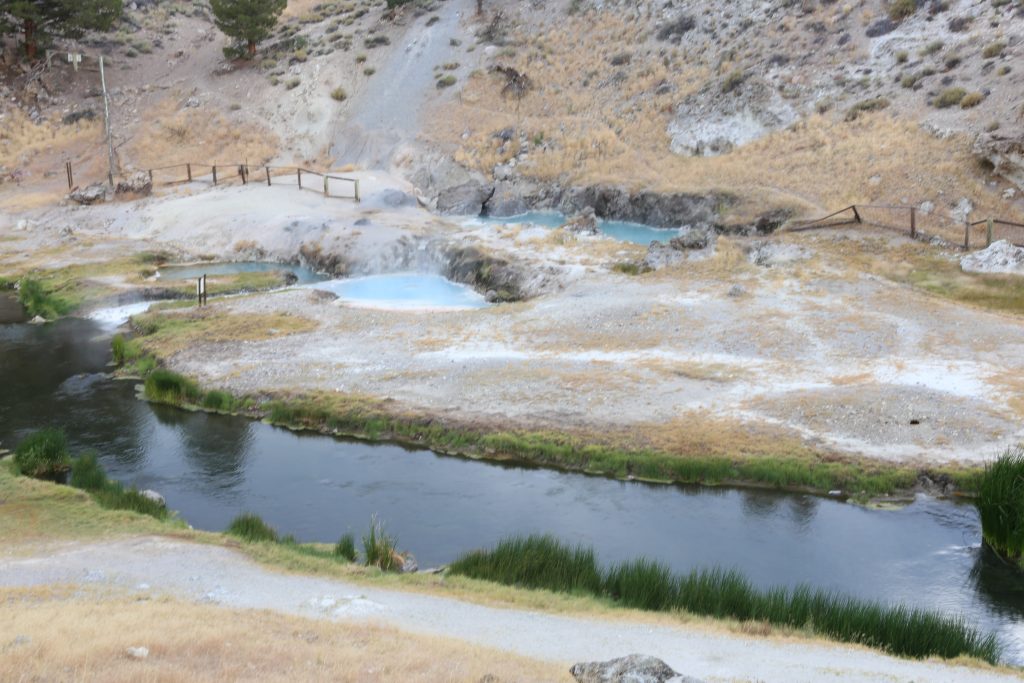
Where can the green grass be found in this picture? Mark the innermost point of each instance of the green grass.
(37, 299)
(544, 562)
(1001, 504)
(43, 454)
(252, 529)
(164, 386)
(345, 548)
(219, 401)
(87, 474)
(379, 547)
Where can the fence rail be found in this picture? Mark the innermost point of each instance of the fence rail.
(920, 225)
(220, 173)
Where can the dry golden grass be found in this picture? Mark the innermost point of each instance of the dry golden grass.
(173, 331)
(22, 141)
(701, 432)
(598, 131)
(86, 638)
(173, 136)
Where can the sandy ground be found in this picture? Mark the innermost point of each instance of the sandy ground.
(156, 566)
(812, 347)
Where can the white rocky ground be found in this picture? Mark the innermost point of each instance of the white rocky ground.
(150, 567)
(843, 360)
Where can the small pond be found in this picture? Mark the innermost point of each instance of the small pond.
(404, 291)
(623, 231)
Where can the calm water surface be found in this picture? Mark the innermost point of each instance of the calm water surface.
(211, 468)
(624, 231)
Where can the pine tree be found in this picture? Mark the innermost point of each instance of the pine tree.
(40, 20)
(248, 20)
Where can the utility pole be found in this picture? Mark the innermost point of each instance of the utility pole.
(106, 123)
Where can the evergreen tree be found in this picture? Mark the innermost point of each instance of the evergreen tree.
(40, 20)
(247, 20)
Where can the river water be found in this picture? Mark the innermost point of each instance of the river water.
(211, 468)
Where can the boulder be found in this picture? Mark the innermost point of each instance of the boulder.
(583, 223)
(631, 669)
(692, 238)
(999, 257)
(467, 199)
(92, 194)
(150, 494)
(138, 182)
(661, 255)
(1005, 153)
(137, 652)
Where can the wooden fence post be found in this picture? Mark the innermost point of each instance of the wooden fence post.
(188, 168)
(325, 185)
(267, 168)
(241, 174)
(357, 189)
(71, 178)
(856, 213)
(150, 177)
(215, 174)
(967, 235)
(913, 222)
(298, 173)
(988, 232)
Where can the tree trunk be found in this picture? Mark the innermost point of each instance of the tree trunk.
(31, 44)
(252, 49)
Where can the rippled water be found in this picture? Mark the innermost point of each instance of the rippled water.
(637, 233)
(211, 468)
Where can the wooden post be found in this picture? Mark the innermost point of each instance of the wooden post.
(106, 125)
(298, 172)
(913, 222)
(988, 232)
(325, 184)
(215, 174)
(267, 168)
(188, 168)
(199, 290)
(967, 235)
(150, 177)
(856, 214)
(241, 174)
(71, 179)
(357, 188)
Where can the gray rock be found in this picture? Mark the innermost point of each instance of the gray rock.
(650, 208)
(661, 255)
(392, 198)
(152, 495)
(467, 199)
(631, 669)
(409, 564)
(137, 652)
(1005, 153)
(736, 291)
(583, 223)
(192, 102)
(92, 194)
(136, 183)
(503, 172)
(692, 238)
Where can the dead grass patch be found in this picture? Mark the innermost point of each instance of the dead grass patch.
(168, 332)
(88, 637)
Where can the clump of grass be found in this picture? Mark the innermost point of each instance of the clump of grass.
(993, 50)
(221, 401)
(165, 386)
(360, 59)
(293, 83)
(379, 547)
(971, 99)
(629, 268)
(87, 474)
(369, 71)
(345, 548)
(901, 9)
(874, 104)
(36, 300)
(931, 48)
(125, 350)
(43, 454)
(733, 81)
(535, 561)
(339, 94)
(251, 528)
(902, 56)
(544, 562)
(445, 81)
(1000, 504)
(949, 97)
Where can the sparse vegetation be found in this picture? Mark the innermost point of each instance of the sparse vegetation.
(43, 454)
(293, 83)
(949, 97)
(971, 99)
(165, 386)
(379, 548)
(1001, 504)
(546, 563)
(339, 94)
(251, 528)
(932, 47)
(902, 9)
(993, 50)
(873, 104)
(88, 475)
(345, 548)
(902, 56)
(445, 81)
(733, 81)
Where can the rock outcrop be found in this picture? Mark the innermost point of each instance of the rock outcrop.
(630, 669)
(91, 194)
(138, 182)
(1005, 153)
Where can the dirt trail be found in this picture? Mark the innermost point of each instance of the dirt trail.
(388, 111)
(209, 574)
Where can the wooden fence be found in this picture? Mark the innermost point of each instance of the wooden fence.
(919, 225)
(223, 173)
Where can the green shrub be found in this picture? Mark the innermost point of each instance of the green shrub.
(165, 386)
(392, 4)
(115, 497)
(445, 81)
(346, 548)
(971, 99)
(369, 71)
(251, 528)
(543, 562)
(38, 301)
(293, 83)
(874, 104)
(360, 59)
(902, 56)
(43, 454)
(1000, 504)
(932, 47)
(125, 350)
(221, 401)
(949, 97)
(379, 547)
(87, 474)
(339, 94)
(993, 50)
(901, 9)
(733, 81)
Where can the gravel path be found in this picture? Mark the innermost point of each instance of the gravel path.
(209, 574)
